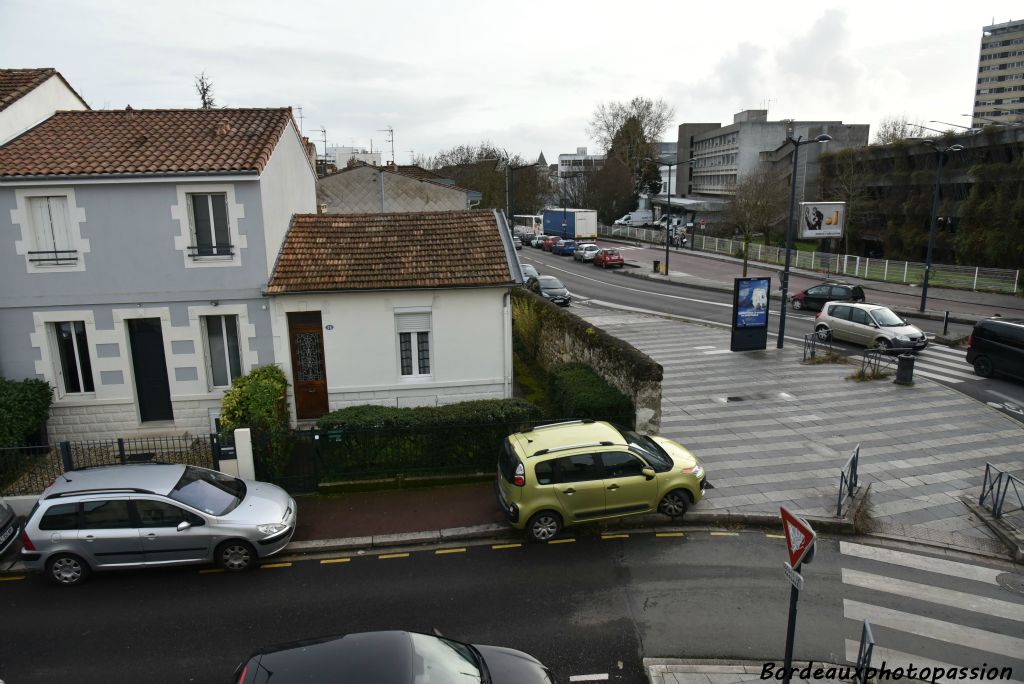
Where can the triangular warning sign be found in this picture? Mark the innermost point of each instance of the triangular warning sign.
(799, 536)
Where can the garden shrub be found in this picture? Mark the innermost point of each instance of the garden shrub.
(24, 407)
(579, 392)
(259, 401)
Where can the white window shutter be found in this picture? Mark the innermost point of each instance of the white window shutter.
(60, 224)
(41, 230)
(413, 322)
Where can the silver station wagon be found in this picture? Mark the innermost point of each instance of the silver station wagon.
(153, 514)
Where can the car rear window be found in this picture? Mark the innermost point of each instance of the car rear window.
(208, 491)
(60, 517)
(507, 461)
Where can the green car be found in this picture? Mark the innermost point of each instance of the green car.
(568, 473)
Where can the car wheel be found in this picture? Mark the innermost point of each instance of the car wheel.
(798, 304)
(236, 555)
(67, 569)
(824, 334)
(983, 367)
(675, 503)
(883, 344)
(544, 526)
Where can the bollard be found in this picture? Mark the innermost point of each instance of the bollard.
(945, 325)
(905, 369)
(657, 266)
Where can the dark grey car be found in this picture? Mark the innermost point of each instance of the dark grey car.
(550, 288)
(8, 529)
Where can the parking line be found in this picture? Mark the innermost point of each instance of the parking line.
(669, 534)
(15, 578)
(505, 546)
(443, 551)
(276, 565)
(725, 534)
(384, 556)
(211, 571)
(328, 561)
(614, 536)
(561, 541)
(775, 536)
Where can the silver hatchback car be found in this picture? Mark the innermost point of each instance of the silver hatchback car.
(868, 324)
(153, 514)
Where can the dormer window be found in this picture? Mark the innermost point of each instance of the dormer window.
(211, 233)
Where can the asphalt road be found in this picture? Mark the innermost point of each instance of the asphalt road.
(589, 607)
(943, 365)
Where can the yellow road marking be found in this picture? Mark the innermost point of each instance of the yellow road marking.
(328, 561)
(393, 555)
(775, 536)
(276, 565)
(561, 541)
(505, 546)
(12, 579)
(443, 551)
(669, 534)
(725, 534)
(211, 571)
(614, 536)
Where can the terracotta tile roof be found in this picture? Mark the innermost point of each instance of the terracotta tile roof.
(146, 141)
(332, 252)
(15, 83)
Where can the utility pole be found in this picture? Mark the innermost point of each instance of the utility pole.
(323, 132)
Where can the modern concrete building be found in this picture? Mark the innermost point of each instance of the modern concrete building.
(340, 156)
(571, 164)
(999, 93)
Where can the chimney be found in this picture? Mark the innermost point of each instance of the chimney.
(321, 208)
(129, 113)
(224, 128)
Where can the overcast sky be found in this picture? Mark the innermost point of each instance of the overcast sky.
(524, 75)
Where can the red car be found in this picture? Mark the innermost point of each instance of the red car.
(549, 243)
(609, 257)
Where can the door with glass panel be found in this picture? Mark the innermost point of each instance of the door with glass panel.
(309, 372)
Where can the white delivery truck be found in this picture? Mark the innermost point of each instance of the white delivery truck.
(642, 217)
(571, 224)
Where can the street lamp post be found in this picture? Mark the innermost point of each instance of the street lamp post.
(823, 138)
(940, 159)
(668, 203)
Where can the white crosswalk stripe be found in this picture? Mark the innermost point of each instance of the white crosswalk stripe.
(968, 617)
(944, 364)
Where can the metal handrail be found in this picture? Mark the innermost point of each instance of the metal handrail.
(867, 647)
(55, 256)
(995, 486)
(812, 341)
(848, 480)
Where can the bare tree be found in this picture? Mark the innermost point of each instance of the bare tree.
(895, 128)
(609, 118)
(204, 89)
(845, 180)
(759, 204)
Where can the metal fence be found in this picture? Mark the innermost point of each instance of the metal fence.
(848, 481)
(814, 343)
(29, 470)
(864, 652)
(995, 490)
(886, 270)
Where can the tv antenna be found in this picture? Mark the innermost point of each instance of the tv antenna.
(391, 139)
(299, 110)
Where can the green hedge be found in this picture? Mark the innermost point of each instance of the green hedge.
(24, 407)
(579, 392)
(381, 441)
(259, 401)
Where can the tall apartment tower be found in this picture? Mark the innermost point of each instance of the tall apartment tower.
(999, 94)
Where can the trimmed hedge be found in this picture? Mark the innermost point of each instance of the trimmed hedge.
(24, 407)
(258, 400)
(579, 392)
(379, 441)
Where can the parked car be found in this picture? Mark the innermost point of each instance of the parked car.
(538, 240)
(8, 529)
(868, 324)
(153, 514)
(815, 297)
(608, 258)
(528, 271)
(549, 242)
(393, 657)
(550, 287)
(518, 242)
(564, 248)
(569, 473)
(586, 252)
(996, 347)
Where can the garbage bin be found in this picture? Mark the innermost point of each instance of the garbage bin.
(905, 369)
(657, 266)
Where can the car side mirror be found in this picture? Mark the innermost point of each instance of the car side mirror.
(648, 473)
(184, 525)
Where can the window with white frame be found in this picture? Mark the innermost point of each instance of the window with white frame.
(74, 369)
(211, 234)
(222, 349)
(51, 232)
(413, 344)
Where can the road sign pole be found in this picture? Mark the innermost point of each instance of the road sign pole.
(787, 666)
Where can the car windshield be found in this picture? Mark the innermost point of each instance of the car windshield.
(441, 660)
(887, 319)
(208, 491)
(652, 450)
(550, 283)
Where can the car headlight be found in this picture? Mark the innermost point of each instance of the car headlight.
(902, 338)
(271, 528)
(697, 471)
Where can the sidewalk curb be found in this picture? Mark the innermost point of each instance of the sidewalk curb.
(705, 671)
(1007, 533)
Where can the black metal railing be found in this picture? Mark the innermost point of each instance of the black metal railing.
(877, 361)
(813, 343)
(54, 257)
(995, 489)
(867, 647)
(199, 251)
(29, 470)
(848, 480)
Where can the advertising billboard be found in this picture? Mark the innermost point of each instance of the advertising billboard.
(822, 219)
(750, 314)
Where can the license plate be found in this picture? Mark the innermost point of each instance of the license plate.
(6, 534)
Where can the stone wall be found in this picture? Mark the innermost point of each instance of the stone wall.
(425, 396)
(113, 420)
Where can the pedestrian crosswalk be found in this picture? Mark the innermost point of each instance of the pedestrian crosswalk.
(944, 364)
(931, 612)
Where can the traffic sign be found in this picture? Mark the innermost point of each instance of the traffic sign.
(799, 536)
(795, 577)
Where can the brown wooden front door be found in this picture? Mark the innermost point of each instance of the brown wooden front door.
(309, 373)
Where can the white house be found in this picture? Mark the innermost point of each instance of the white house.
(401, 309)
(29, 96)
